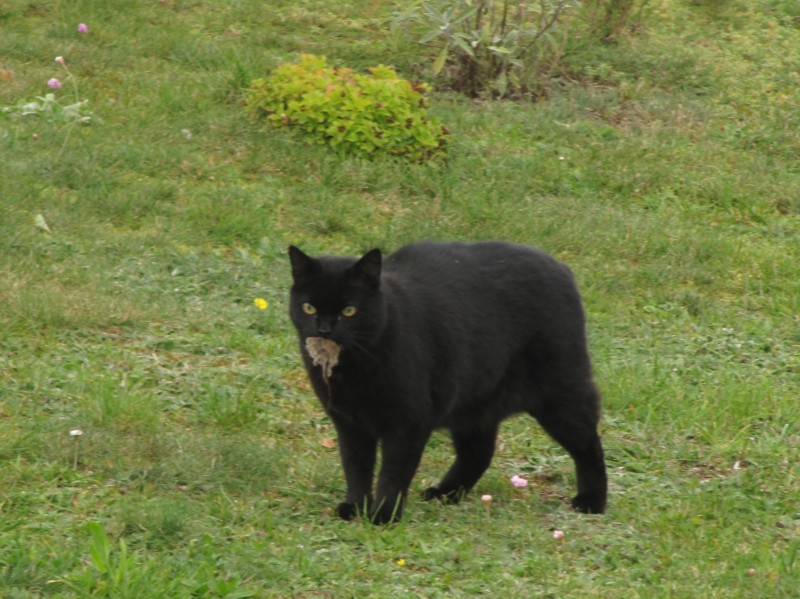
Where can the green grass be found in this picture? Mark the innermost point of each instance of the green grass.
(662, 168)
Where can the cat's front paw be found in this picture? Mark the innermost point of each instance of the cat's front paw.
(349, 510)
(346, 511)
(383, 515)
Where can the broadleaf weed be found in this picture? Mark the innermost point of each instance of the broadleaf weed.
(53, 110)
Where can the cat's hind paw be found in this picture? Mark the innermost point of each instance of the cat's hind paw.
(449, 497)
(431, 493)
(589, 504)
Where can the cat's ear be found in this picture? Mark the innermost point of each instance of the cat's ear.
(367, 271)
(302, 265)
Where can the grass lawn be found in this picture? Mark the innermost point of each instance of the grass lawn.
(663, 167)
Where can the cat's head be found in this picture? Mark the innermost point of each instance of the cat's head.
(337, 298)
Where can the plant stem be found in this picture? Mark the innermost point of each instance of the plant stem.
(71, 126)
(73, 80)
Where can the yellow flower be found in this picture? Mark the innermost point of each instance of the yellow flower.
(261, 303)
(401, 562)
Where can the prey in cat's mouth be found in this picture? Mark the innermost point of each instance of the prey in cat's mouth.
(324, 353)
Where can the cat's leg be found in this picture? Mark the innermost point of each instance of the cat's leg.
(400, 453)
(358, 451)
(474, 452)
(571, 418)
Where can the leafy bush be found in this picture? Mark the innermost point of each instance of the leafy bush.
(495, 47)
(369, 115)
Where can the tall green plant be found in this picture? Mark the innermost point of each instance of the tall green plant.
(491, 47)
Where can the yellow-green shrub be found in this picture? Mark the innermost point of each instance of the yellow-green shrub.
(370, 115)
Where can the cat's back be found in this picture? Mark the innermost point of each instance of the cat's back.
(474, 311)
(487, 266)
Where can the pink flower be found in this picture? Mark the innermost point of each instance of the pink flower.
(486, 499)
(83, 28)
(60, 59)
(54, 83)
(519, 482)
(558, 535)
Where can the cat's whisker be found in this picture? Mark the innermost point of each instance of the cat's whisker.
(354, 343)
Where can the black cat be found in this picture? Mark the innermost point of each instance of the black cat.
(445, 335)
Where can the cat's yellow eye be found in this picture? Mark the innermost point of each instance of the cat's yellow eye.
(349, 311)
(309, 309)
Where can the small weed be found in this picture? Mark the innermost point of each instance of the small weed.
(49, 108)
